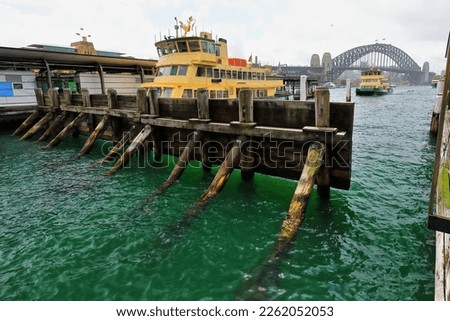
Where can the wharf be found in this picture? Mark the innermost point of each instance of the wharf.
(439, 209)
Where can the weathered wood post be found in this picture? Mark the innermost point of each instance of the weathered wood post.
(40, 124)
(31, 120)
(226, 168)
(322, 108)
(246, 106)
(153, 99)
(53, 94)
(67, 94)
(255, 287)
(39, 96)
(137, 143)
(154, 103)
(348, 90)
(203, 116)
(116, 122)
(303, 87)
(99, 130)
(203, 104)
(246, 119)
(181, 164)
(86, 98)
(142, 103)
(55, 127)
(119, 147)
(70, 127)
(437, 108)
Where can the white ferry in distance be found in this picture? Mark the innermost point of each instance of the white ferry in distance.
(187, 63)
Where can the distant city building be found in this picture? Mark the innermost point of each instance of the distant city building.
(326, 62)
(315, 60)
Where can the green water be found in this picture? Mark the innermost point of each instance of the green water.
(68, 233)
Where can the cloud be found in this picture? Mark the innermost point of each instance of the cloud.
(287, 32)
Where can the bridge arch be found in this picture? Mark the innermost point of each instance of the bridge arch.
(397, 60)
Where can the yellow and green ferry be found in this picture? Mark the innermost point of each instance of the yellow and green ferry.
(373, 83)
(187, 63)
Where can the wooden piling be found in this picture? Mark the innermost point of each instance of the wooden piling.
(322, 111)
(67, 94)
(203, 104)
(226, 168)
(53, 94)
(99, 130)
(117, 148)
(39, 125)
(86, 99)
(154, 103)
(71, 126)
(181, 164)
(303, 79)
(116, 122)
(54, 128)
(247, 161)
(142, 103)
(27, 123)
(299, 201)
(39, 96)
(255, 287)
(348, 90)
(134, 146)
(246, 106)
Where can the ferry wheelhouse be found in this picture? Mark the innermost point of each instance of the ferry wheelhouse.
(373, 83)
(188, 63)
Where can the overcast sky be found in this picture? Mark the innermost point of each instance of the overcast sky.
(286, 32)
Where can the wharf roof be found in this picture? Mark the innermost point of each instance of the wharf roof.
(28, 58)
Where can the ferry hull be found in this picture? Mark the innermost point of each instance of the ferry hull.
(372, 92)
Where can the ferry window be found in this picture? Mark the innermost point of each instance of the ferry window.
(201, 72)
(225, 94)
(166, 71)
(182, 70)
(254, 76)
(159, 52)
(173, 70)
(216, 73)
(187, 93)
(210, 47)
(228, 74)
(204, 46)
(167, 92)
(182, 46)
(194, 46)
(234, 74)
(244, 75)
(239, 74)
(222, 73)
(217, 50)
(212, 94)
(171, 47)
(219, 94)
(209, 72)
(164, 50)
(159, 71)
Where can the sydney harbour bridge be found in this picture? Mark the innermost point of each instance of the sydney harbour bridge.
(378, 55)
